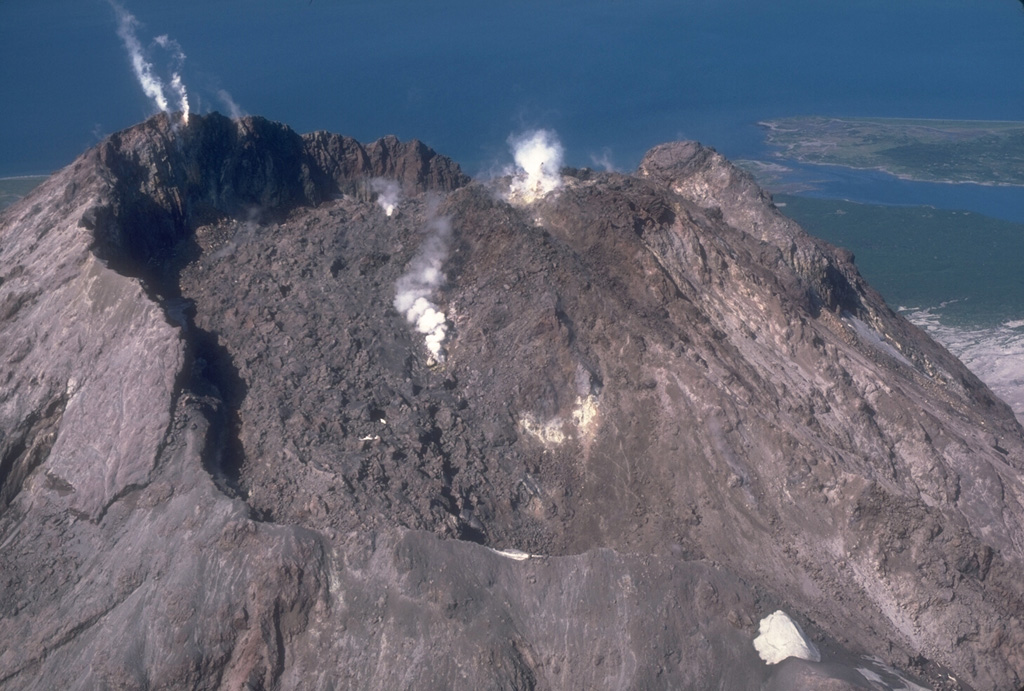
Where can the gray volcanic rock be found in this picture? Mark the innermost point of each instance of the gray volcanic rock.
(661, 412)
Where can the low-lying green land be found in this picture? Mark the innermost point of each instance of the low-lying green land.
(984, 152)
(13, 189)
(922, 257)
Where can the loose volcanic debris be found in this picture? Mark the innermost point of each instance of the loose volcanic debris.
(655, 413)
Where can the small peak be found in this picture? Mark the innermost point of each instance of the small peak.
(673, 160)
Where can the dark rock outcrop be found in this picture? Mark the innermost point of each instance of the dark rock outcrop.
(166, 180)
(663, 413)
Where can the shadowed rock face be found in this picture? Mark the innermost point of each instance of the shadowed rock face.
(663, 413)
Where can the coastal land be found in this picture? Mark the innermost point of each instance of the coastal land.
(951, 151)
(13, 189)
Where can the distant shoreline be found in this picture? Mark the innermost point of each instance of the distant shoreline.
(15, 187)
(24, 177)
(904, 176)
(974, 152)
(967, 124)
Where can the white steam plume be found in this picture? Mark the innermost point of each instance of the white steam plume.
(169, 44)
(151, 84)
(604, 161)
(538, 155)
(234, 112)
(389, 194)
(179, 87)
(414, 290)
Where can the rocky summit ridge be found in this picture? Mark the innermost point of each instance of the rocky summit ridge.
(659, 412)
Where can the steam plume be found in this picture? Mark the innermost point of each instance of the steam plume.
(538, 156)
(177, 85)
(233, 110)
(414, 290)
(151, 84)
(604, 161)
(388, 194)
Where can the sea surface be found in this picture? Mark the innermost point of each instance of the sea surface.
(956, 274)
(611, 77)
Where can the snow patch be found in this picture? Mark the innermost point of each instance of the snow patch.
(514, 554)
(886, 677)
(870, 675)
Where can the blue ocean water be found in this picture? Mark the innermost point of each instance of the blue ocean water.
(875, 187)
(612, 77)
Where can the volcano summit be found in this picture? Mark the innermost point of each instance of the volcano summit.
(656, 422)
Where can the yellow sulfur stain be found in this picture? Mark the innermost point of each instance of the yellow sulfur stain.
(553, 432)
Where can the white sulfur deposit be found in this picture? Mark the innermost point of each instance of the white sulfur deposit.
(781, 637)
(553, 432)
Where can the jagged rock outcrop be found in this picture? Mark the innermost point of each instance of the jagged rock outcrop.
(662, 413)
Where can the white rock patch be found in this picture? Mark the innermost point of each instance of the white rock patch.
(781, 637)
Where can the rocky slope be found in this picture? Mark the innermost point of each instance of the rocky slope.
(659, 413)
